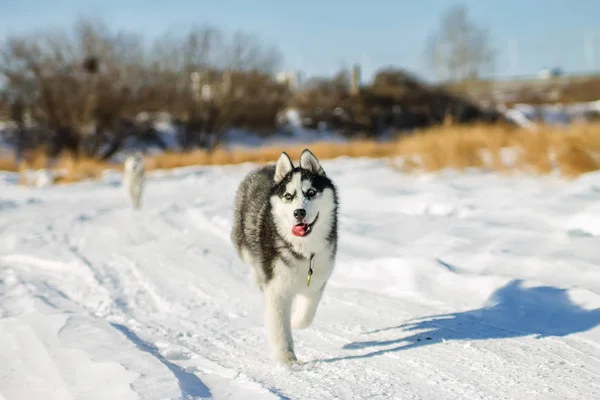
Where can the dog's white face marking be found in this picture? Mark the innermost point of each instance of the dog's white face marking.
(300, 194)
(322, 203)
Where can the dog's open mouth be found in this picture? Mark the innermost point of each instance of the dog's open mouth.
(303, 229)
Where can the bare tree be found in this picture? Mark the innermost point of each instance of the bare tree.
(86, 87)
(246, 53)
(459, 49)
(77, 86)
(211, 80)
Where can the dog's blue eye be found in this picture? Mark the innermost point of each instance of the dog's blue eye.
(288, 196)
(310, 193)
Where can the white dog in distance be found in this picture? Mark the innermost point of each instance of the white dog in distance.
(133, 178)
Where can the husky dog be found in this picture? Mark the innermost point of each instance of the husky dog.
(133, 178)
(285, 227)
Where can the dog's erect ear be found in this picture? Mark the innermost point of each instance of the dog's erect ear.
(283, 167)
(309, 162)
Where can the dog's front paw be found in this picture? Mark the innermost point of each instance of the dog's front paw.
(285, 357)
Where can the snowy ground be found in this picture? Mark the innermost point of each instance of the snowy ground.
(525, 115)
(447, 286)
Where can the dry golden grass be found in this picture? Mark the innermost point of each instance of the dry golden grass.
(571, 151)
(66, 167)
(74, 170)
(8, 164)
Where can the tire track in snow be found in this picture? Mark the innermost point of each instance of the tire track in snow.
(120, 270)
(189, 383)
(53, 278)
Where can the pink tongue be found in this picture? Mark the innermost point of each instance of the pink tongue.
(299, 230)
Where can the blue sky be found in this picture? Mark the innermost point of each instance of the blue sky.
(318, 37)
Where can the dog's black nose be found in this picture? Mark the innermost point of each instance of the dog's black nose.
(300, 213)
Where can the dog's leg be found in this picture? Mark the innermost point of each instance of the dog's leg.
(136, 196)
(277, 320)
(132, 194)
(305, 308)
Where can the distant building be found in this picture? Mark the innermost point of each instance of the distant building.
(355, 80)
(548, 73)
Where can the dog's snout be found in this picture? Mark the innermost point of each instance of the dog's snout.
(300, 213)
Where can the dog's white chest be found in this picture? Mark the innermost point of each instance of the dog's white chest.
(322, 267)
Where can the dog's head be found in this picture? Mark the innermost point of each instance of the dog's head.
(135, 162)
(304, 199)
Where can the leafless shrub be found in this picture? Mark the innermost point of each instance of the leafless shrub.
(87, 85)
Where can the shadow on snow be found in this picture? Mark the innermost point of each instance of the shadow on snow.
(513, 311)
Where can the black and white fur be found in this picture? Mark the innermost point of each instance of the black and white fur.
(133, 178)
(262, 234)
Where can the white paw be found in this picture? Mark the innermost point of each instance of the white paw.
(285, 357)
